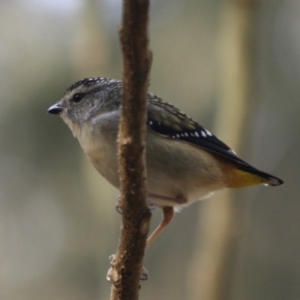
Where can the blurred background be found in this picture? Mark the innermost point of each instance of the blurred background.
(234, 66)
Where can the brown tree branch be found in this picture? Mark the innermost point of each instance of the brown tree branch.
(127, 264)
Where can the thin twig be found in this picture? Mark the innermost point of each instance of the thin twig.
(127, 264)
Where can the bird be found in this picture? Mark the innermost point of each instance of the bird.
(185, 161)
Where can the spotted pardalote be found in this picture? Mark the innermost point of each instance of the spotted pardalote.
(185, 162)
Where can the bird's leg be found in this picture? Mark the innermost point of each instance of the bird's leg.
(168, 214)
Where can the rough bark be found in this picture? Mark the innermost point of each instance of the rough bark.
(127, 264)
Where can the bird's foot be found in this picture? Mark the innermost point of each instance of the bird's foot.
(144, 275)
(112, 275)
(118, 207)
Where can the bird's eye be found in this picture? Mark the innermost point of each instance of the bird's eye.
(77, 97)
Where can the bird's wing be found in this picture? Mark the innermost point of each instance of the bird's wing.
(167, 120)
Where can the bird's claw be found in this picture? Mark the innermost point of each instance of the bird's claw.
(144, 275)
(112, 275)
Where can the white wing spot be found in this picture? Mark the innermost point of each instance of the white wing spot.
(197, 134)
(150, 123)
(203, 133)
(186, 134)
(232, 151)
(208, 132)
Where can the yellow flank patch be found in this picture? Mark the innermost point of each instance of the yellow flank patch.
(240, 179)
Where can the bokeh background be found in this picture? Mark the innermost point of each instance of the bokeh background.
(58, 224)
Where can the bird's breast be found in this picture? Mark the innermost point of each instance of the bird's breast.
(174, 168)
(101, 148)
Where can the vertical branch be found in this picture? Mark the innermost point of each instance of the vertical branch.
(214, 266)
(127, 264)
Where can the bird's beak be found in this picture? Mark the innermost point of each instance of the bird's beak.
(55, 109)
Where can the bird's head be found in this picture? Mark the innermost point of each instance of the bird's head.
(87, 98)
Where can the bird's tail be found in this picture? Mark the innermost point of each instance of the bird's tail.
(249, 176)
